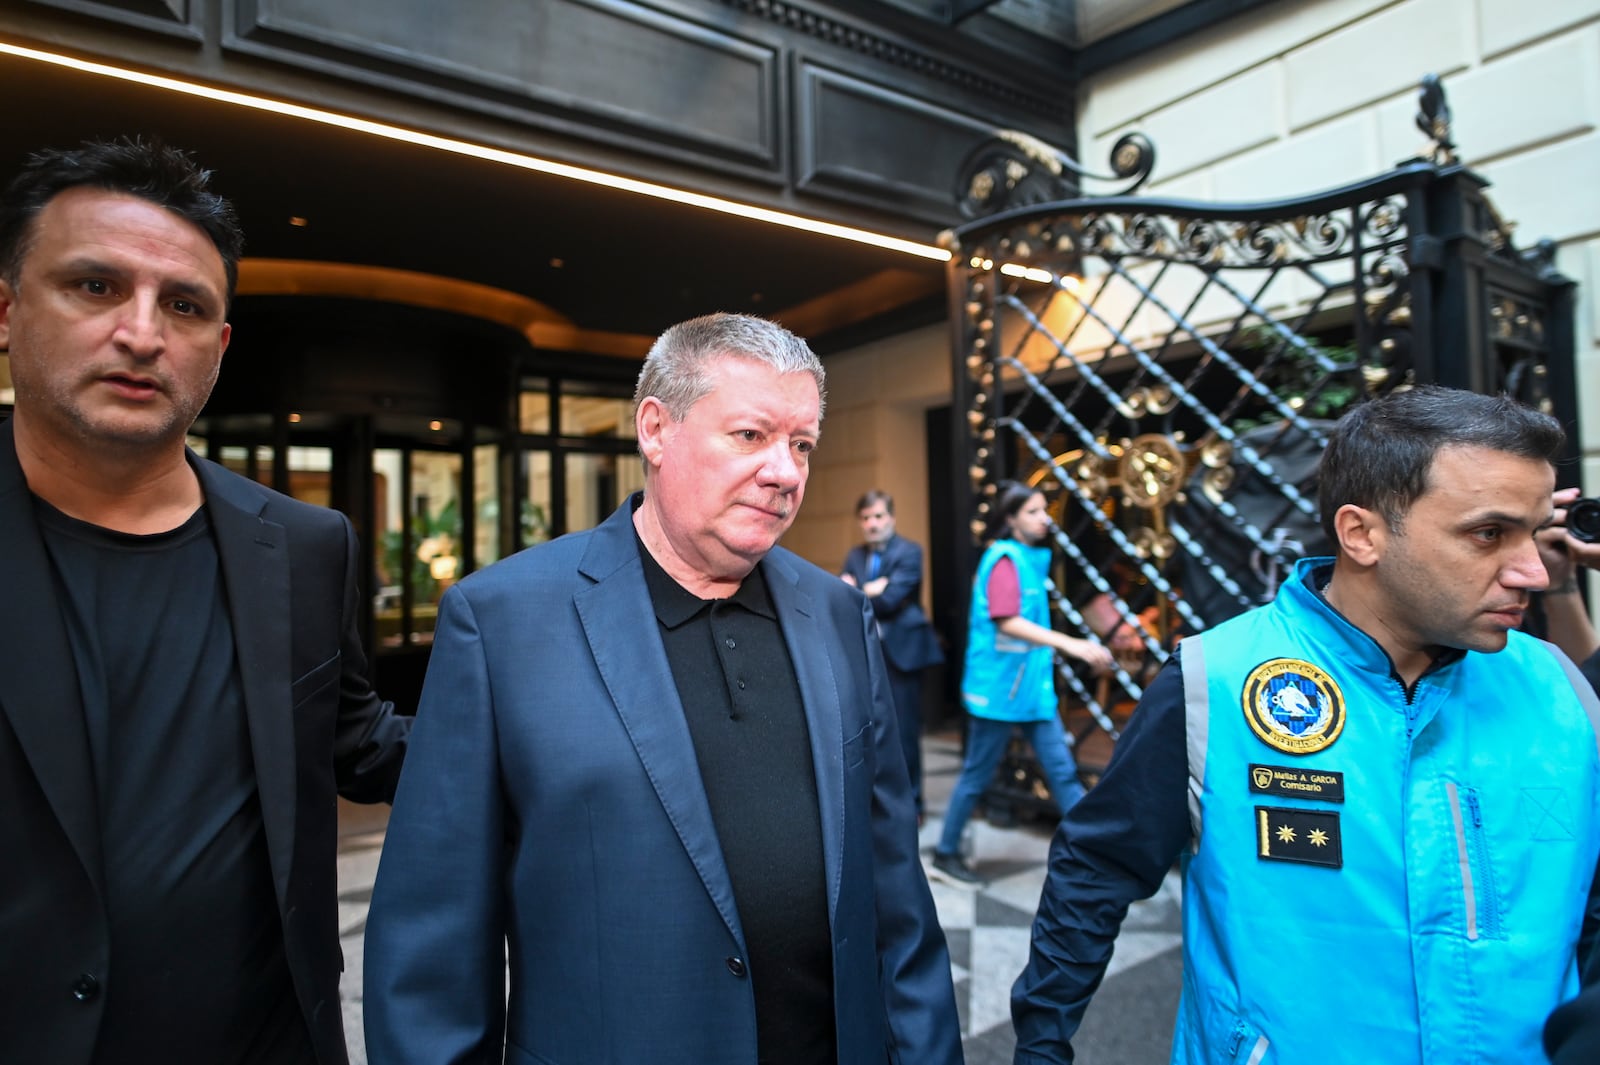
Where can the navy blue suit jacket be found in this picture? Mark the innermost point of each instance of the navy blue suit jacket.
(909, 641)
(552, 813)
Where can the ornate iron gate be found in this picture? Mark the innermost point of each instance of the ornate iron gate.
(1168, 372)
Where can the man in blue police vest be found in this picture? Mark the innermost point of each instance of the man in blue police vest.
(1386, 799)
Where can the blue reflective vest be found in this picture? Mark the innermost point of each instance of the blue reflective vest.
(1006, 679)
(1379, 878)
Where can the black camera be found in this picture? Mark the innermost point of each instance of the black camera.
(1583, 520)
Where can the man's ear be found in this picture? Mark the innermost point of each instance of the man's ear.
(1363, 534)
(650, 424)
(7, 297)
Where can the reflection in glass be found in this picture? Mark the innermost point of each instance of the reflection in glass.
(252, 462)
(418, 546)
(597, 485)
(310, 474)
(535, 516)
(597, 416)
(486, 503)
(533, 406)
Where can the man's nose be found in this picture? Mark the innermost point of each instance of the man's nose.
(141, 330)
(1525, 569)
(780, 469)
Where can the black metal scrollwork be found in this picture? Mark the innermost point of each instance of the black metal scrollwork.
(1014, 169)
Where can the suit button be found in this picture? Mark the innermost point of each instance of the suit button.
(85, 988)
(736, 967)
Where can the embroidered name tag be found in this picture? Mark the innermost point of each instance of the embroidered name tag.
(1308, 836)
(1297, 783)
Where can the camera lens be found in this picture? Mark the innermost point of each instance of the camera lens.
(1583, 520)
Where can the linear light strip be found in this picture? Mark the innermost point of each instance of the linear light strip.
(481, 151)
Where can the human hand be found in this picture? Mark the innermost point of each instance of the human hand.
(875, 587)
(849, 578)
(1125, 639)
(1559, 550)
(1095, 656)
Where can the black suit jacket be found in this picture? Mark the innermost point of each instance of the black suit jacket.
(315, 726)
(909, 642)
(1572, 1034)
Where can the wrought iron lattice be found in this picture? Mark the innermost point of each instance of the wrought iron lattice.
(1168, 373)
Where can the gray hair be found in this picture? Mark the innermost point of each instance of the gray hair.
(1381, 452)
(675, 371)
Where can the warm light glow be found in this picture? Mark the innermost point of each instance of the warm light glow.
(481, 151)
(436, 426)
(1030, 273)
(294, 418)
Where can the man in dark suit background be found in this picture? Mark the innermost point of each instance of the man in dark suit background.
(888, 570)
(656, 769)
(182, 688)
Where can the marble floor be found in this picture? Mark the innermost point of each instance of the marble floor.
(1129, 1023)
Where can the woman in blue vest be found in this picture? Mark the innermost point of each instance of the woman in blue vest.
(1009, 678)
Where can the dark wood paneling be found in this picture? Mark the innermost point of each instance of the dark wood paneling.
(171, 17)
(863, 140)
(595, 64)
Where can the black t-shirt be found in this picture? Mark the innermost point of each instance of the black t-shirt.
(741, 699)
(197, 970)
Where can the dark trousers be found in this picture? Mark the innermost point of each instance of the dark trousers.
(906, 688)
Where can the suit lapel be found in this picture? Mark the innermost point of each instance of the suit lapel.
(39, 692)
(810, 645)
(620, 624)
(254, 554)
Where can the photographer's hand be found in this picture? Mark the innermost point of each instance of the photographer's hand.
(1566, 616)
(1562, 552)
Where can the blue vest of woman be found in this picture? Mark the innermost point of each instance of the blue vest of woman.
(1379, 878)
(1007, 679)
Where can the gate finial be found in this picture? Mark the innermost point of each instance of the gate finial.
(1433, 119)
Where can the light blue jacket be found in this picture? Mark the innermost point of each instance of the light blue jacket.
(1006, 679)
(1379, 877)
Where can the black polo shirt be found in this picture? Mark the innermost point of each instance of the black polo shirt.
(741, 701)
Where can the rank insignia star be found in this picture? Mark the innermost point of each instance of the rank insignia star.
(1300, 834)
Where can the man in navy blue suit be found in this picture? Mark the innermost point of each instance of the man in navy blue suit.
(888, 570)
(656, 769)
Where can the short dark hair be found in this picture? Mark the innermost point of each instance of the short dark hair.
(1381, 452)
(875, 495)
(1009, 497)
(150, 170)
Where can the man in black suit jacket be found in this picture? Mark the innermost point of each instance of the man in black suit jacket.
(888, 570)
(182, 687)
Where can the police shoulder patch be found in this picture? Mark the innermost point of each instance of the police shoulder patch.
(1292, 706)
